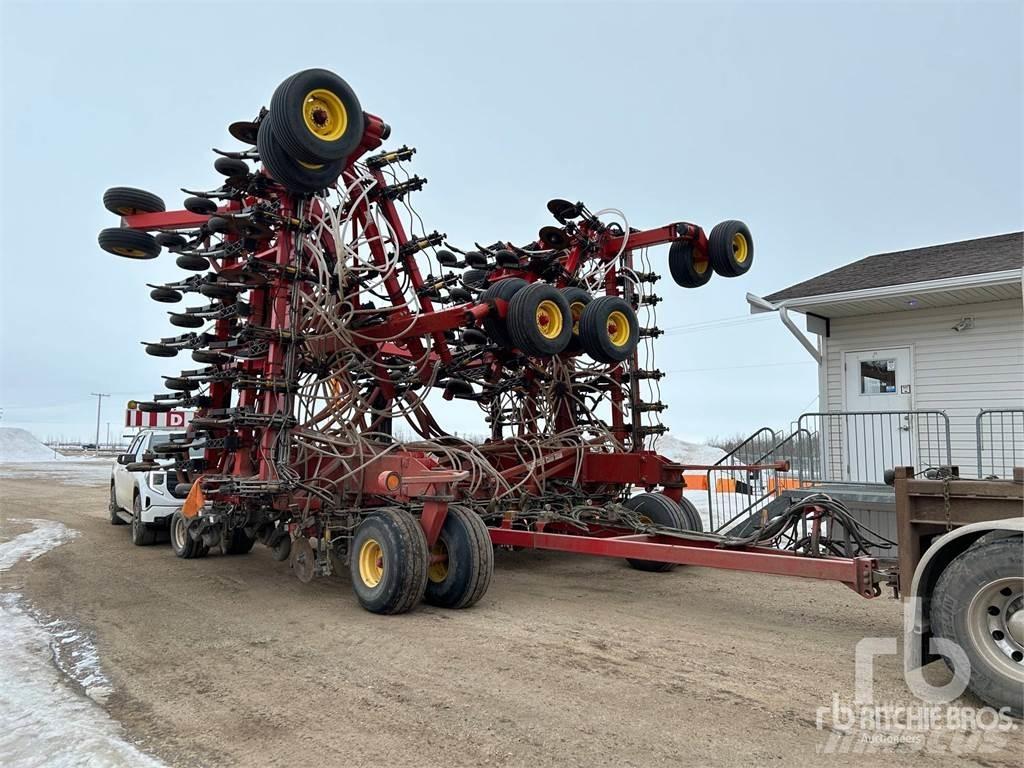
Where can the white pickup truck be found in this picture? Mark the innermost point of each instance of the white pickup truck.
(146, 499)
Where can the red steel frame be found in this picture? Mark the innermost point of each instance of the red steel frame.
(421, 477)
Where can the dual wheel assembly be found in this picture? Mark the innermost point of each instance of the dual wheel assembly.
(729, 252)
(542, 321)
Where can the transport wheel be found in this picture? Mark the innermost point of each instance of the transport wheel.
(128, 201)
(539, 321)
(978, 603)
(316, 117)
(462, 577)
(236, 542)
(494, 326)
(201, 205)
(388, 561)
(689, 268)
(731, 248)
(657, 509)
(186, 321)
(130, 243)
(142, 534)
(113, 508)
(165, 295)
(295, 175)
(192, 263)
(182, 543)
(608, 329)
(578, 300)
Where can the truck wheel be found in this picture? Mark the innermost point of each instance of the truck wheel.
(978, 603)
(658, 509)
(142, 534)
(463, 576)
(236, 542)
(113, 508)
(388, 562)
(182, 543)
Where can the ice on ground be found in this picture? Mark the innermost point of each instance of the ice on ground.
(19, 445)
(687, 453)
(67, 471)
(47, 665)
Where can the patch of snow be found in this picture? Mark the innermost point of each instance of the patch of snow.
(687, 453)
(47, 664)
(18, 445)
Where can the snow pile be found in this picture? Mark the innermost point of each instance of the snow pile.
(43, 717)
(687, 453)
(19, 445)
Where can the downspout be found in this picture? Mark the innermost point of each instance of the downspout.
(767, 306)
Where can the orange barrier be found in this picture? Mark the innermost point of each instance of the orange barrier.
(782, 484)
(696, 482)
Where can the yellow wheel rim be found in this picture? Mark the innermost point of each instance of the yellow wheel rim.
(700, 264)
(549, 319)
(740, 248)
(371, 563)
(618, 329)
(324, 114)
(311, 166)
(133, 253)
(576, 310)
(438, 571)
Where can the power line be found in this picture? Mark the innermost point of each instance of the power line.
(738, 367)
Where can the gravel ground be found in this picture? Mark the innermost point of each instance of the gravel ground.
(568, 660)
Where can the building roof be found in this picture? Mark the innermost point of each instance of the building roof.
(935, 262)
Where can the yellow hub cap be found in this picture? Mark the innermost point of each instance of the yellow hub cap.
(324, 114)
(133, 253)
(618, 329)
(700, 264)
(576, 309)
(740, 248)
(311, 166)
(371, 563)
(549, 319)
(438, 571)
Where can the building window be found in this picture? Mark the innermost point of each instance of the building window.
(878, 377)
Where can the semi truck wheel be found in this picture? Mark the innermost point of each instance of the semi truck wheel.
(978, 603)
(462, 561)
(388, 562)
(182, 543)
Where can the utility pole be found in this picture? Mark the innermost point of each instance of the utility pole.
(99, 405)
(108, 434)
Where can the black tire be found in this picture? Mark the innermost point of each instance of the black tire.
(113, 508)
(160, 350)
(538, 321)
(128, 201)
(178, 384)
(143, 535)
(388, 562)
(578, 300)
(281, 548)
(973, 599)
(731, 248)
(192, 263)
(601, 331)
(689, 269)
(495, 326)
(691, 515)
(230, 166)
(475, 278)
(161, 407)
(237, 542)
(218, 291)
(186, 321)
(169, 240)
(165, 295)
(289, 172)
(464, 578)
(210, 358)
(316, 117)
(182, 543)
(201, 205)
(129, 243)
(659, 510)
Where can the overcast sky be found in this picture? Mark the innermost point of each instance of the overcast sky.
(834, 130)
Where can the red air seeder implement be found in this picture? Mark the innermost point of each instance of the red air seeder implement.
(331, 336)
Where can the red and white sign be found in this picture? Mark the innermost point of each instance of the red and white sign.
(166, 420)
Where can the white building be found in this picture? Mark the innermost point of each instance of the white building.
(907, 342)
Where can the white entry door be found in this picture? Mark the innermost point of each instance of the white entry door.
(877, 385)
